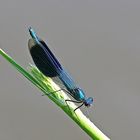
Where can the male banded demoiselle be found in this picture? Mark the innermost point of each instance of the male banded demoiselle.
(47, 63)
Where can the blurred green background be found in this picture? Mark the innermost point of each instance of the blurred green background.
(98, 42)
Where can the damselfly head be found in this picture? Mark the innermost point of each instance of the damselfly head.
(88, 102)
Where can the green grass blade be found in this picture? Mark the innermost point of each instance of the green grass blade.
(47, 85)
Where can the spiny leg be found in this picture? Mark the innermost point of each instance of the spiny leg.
(73, 102)
(67, 100)
(78, 107)
(50, 93)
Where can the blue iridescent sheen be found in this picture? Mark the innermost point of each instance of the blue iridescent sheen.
(47, 63)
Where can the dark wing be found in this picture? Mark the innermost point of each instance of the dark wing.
(47, 63)
(44, 59)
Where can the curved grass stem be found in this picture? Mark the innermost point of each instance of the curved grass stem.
(46, 85)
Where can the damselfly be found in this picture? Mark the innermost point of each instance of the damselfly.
(47, 63)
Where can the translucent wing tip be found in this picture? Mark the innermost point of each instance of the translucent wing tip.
(31, 43)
